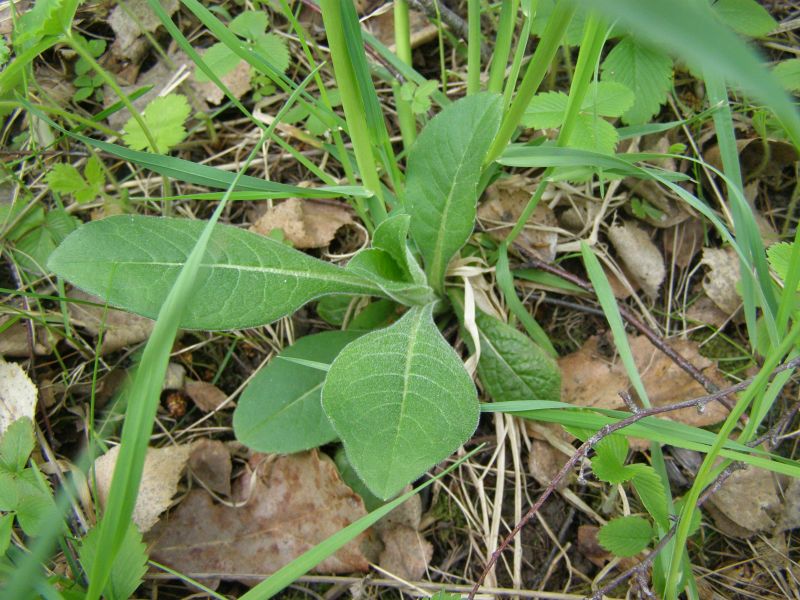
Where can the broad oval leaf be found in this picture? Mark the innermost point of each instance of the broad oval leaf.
(281, 409)
(444, 168)
(245, 280)
(391, 236)
(512, 367)
(401, 401)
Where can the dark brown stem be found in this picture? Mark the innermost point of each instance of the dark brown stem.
(582, 451)
(456, 24)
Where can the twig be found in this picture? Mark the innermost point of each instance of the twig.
(630, 317)
(582, 451)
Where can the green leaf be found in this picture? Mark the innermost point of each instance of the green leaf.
(250, 24)
(378, 266)
(747, 17)
(376, 314)
(788, 71)
(274, 50)
(164, 117)
(220, 59)
(93, 172)
(280, 410)
(444, 168)
(594, 134)
(9, 495)
(391, 236)
(646, 72)
(35, 502)
(353, 481)
(333, 309)
(626, 536)
(608, 99)
(17, 444)
(512, 367)
(778, 256)
(34, 248)
(401, 401)
(546, 110)
(651, 492)
(6, 525)
(609, 462)
(130, 563)
(246, 280)
(65, 179)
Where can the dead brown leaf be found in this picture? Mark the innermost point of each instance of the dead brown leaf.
(163, 468)
(119, 328)
(305, 223)
(743, 504)
(703, 310)
(790, 512)
(17, 394)
(505, 201)
(210, 462)
(406, 554)
(237, 81)
(594, 376)
(639, 255)
(721, 278)
(206, 396)
(14, 340)
(590, 547)
(130, 21)
(286, 507)
(684, 241)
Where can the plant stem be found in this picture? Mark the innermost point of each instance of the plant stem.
(402, 44)
(502, 46)
(353, 109)
(542, 57)
(474, 47)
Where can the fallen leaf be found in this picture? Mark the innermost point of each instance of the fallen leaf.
(163, 468)
(752, 154)
(544, 463)
(504, 203)
(594, 376)
(406, 554)
(287, 506)
(17, 395)
(684, 241)
(131, 21)
(721, 278)
(237, 81)
(206, 396)
(590, 547)
(639, 255)
(703, 310)
(120, 329)
(14, 340)
(305, 223)
(210, 462)
(746, 500)
(789, 517)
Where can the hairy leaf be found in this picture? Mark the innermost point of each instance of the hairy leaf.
(512, 367)
(280, 410)
(378, 266)
(645, 71)
(401, 401)
(444, 168)
(245, 280)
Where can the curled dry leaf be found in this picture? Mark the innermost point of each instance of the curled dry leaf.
(120, 329)
(745, 502)
(163, 468)
(206, 396)
(17, 395)
(305, 223)
(639, 255)
(284, 508)
(721, 278)
(594, 376)
(504, 203)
